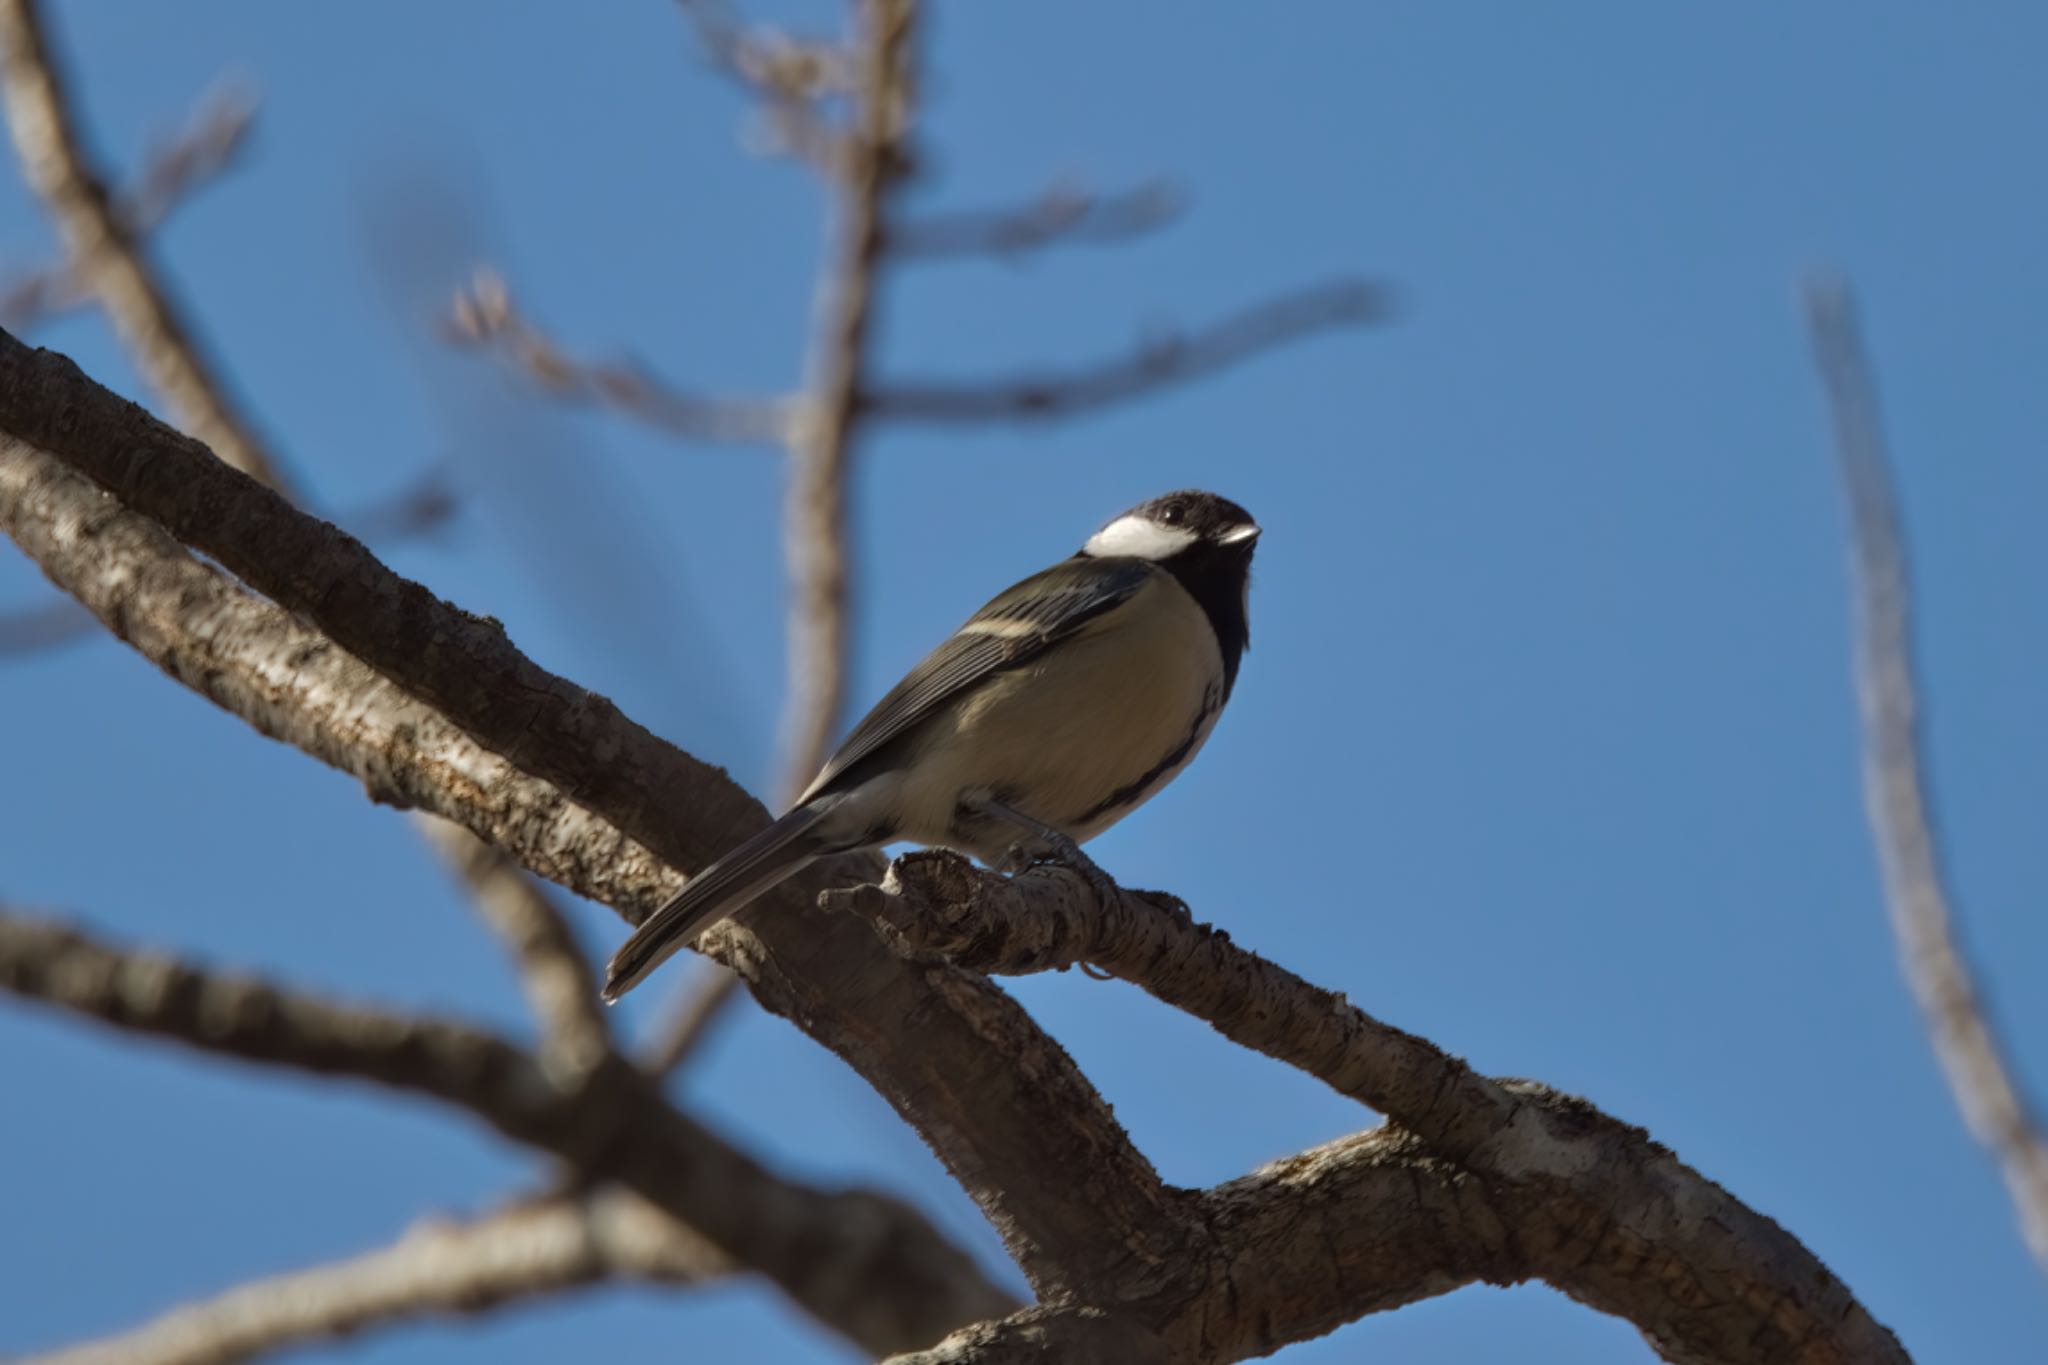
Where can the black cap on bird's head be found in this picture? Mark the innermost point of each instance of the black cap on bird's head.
(1174, 525)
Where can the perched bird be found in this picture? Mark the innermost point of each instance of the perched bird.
(1055, 711)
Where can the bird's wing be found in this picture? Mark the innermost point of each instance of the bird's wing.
(1016, 627)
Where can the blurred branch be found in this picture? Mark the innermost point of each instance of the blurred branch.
(814, 511)
(456, 1267)
(1895, 787)
(1060, 215)
(699, 1005)
(107, 256)
(863, 1264)
(1156, 363)
(212, 140)
(791, 76)
(559, 986)
(484, 315)
(105, 253)
(461, 724)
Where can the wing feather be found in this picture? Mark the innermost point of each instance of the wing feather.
(1015, 627)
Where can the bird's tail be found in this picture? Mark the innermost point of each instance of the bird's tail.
(777, 852)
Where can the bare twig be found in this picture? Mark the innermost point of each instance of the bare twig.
(1157, 363)
(209, 144)
(699, 1005)
(105, 252)
(814, 522)
(485, 314)
(1063, 214)
(1895, 788)
(108, 257)
(559, 987)
(862, 1263)
(791, 76)
(459, 1267)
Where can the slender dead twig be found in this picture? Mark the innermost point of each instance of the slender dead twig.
(791, 76)
(107, 256)
(454, 1266)
(485, 315)
(559, 987)
(1155, 364)
(212, 140)
(105, 252)
(1062, 214)
(814, 516)
(823, 422)
(1896, 791)
(699, 1005)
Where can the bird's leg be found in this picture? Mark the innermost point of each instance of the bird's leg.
(1041, 843)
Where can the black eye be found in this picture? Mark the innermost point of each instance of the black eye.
(1174, 513)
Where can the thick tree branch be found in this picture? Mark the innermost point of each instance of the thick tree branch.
(861, 1263)
(1061, 215)
(1896, 792)
(417, 510)
(1002, 1104)
(1599, 1210)
(105, 251)
(205, 149)
(1157, 363)
(485, 315)
(456, 1267)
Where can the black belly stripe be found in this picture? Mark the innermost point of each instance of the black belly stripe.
(1135, 791)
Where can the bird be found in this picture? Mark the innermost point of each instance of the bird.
(1057, 709)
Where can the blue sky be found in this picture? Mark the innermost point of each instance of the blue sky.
(1546, 744)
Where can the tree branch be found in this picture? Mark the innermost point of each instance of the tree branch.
(814, 508)
(594, 802)
(1601, 1211)
(559, 985)
(861, 1263)
(415, 511)
(1896, 792)
(1061, 215)
(791, 77)
(105, 252)
(1157, 363)
(700, 1004)
(485, 315)
(458, 1267)
(212, 140)
(108, 257)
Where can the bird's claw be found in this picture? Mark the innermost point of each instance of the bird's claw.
(1058, 849)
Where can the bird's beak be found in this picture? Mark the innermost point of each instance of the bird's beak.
(1239, 536)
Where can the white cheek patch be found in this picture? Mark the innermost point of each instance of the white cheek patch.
(1138, 538)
